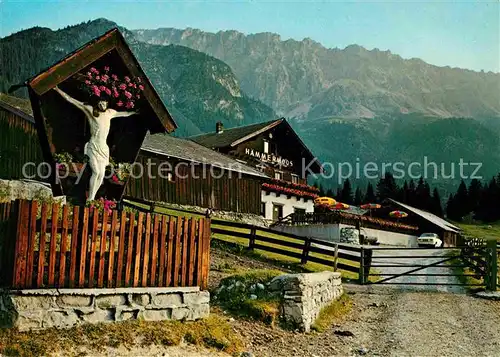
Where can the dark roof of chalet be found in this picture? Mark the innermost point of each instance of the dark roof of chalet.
(170, 146)
(228, 136)
(18, 106)
(234, 136)
(438, 221)
(93, 50)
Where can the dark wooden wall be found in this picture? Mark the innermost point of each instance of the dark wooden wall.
(236, 193)
(18, 145)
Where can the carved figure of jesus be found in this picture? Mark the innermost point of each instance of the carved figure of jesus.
(97, 150)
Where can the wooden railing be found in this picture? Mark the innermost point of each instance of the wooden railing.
(49, 245)
(293, 246)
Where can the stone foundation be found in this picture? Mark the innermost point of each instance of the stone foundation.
(304, 295)
(62, 308)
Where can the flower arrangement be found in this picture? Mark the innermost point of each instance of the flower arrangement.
(121, 172)
(288, 190)
(118, 92)
(378, 221)
(298, 186)
(102, 205)
(63, 157)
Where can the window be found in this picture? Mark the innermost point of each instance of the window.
(263, 209)
(277, 212)
(295, 178)
(266, 147)
(300, 211)
(278, 175)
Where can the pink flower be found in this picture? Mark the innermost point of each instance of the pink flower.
(108, 91)
(123, 86)
(105, 78)
(93, 70)
(131, 84)
(97, 92)
(127, 79)
(87, 82)
(128, 94)
(89, 74)
(102, 88)
(129, 105)
(115, 77)
(138, 96)
(141, 87)
(106, 69)
(115, 178)
(119, 104)
(115, 93)
(58, 165)
(97, 77)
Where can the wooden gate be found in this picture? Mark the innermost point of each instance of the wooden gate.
(431, 264)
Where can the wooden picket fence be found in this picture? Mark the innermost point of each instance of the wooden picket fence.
(49, 245)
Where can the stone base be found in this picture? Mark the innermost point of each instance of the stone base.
(11, 190)
(62, 308)
(304, 295)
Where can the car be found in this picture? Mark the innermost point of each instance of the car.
(429, 239)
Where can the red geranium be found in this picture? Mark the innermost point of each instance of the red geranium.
(111, 88)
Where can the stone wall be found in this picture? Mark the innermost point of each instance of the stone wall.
(43, 308)
(11, 190)
(304, 295)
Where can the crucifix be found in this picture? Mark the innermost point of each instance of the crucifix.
(99, 117)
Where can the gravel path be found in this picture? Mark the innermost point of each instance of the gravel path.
(386, 320)
(391, 322)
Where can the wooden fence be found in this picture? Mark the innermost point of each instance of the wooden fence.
(481, 256)
(303, 248)
(49, 245)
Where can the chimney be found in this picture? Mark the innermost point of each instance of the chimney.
(219, 128)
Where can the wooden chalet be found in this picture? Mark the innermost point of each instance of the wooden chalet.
(276, 150)
(63, 129)
(194, 175)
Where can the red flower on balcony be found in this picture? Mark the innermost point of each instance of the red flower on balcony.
(288, 190)
(298, 186)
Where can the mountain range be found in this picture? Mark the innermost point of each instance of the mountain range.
(349, 104)
(303, 79)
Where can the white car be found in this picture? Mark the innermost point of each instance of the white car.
(429, 239)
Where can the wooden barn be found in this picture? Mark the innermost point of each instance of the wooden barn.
(186, 173)
(275, 149)
(19, 143)
(425, 221)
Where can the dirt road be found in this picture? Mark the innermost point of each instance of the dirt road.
(392, 322)
(386, 320)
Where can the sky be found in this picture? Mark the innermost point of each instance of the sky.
(463, 34)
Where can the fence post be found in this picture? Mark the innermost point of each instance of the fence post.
(361, 277)
(305, 250)
(335, 257)
(492, 268)
(367, 264)
(251, 241)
